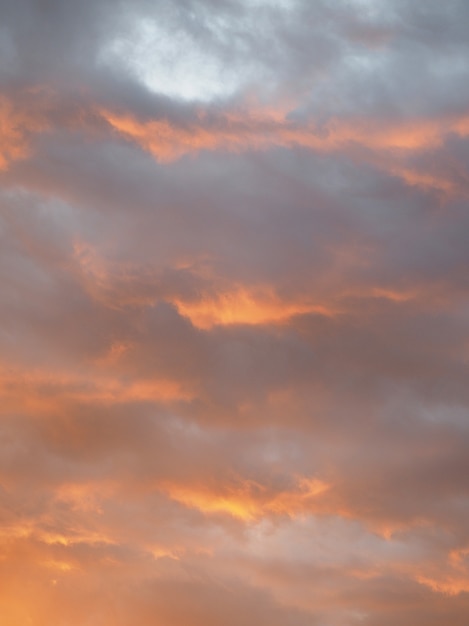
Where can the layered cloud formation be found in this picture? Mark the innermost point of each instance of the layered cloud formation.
(234, 313)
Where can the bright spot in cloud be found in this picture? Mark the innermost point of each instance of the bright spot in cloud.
(172, 64)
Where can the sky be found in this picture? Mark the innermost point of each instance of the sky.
(234, 312)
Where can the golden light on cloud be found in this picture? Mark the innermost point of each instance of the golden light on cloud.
(250, 501)
(245, 306)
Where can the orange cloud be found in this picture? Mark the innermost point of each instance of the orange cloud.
(61, 566)
(260, 130)
(263, 129)
(36, 529)
(449, 585)
(453, 578)
(424, 180)
(16, 126)
(238, 304)
(249, 501)
(37, 391)
(241, 305)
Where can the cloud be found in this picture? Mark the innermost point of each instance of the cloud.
(249, 501)
(233, 314)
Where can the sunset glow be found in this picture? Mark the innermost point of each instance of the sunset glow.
(234, 313)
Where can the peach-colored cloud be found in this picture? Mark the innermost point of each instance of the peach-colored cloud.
(426, 180)
(262, 130)
(17, 124)
(250, 501)
(37, 530)
(239, 131)
(242, 305)
(448, 585)
(41, 391)
(452, 578)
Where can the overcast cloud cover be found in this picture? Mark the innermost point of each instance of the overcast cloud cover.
(234, 313)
